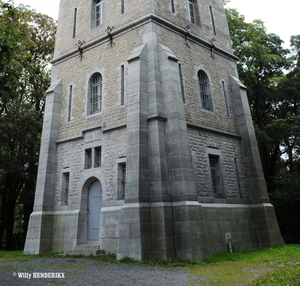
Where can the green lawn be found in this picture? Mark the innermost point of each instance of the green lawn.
(274, 266)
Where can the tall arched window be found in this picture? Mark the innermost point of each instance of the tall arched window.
(205, 92)
(95, 94)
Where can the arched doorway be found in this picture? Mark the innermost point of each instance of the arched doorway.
(94, 208)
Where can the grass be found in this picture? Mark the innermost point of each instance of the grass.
(9, 256)
(273, 266)
(286, 276)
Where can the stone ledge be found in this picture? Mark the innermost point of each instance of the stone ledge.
(214, 130)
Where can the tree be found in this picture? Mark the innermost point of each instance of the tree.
(286, 201)
(261, 65)
(286, 197)
(272, 76)
(27, 47)
(11, 33)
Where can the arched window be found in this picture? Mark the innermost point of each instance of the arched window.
(204, 90)
(95, 94)
(97, 13)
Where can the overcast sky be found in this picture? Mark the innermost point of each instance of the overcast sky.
(280, 17)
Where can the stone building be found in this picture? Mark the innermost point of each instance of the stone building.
(148, 147)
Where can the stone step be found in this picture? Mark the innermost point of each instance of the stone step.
(86, 249)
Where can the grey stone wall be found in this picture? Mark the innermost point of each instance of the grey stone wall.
(84, 31)
(230, 148)
(220, 68)
(106, 60)
(205, 30)
(114, 147)
(67, 220)
(70, 159)
(234, 221)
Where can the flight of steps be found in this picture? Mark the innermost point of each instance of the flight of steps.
(86, 249)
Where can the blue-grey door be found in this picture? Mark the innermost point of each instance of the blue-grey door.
(94, 207)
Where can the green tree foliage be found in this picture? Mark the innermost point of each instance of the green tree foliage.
(286, 201)
(261, 65)
(11, 33)
(286, 197)
(26, 46)
(272, 77)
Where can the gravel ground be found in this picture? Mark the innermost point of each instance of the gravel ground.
(82, 271)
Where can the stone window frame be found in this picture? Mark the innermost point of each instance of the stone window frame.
(122, 7)
(74, 22)
(220, 193)
(92, 157)
(172, 5)
(88, 158)
(213, 23)
(182, 82)
(225, 97)
(122, 85)
(97, 21)
(65, 187)
(87, 88)
(209, 92)
(95, 93)
(97, 156)
(193, 12)
(70, 101)
(121, 178)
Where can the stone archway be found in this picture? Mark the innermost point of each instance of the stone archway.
(90, 186)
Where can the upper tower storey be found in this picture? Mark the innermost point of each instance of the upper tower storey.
(206, 18)
(87, 20)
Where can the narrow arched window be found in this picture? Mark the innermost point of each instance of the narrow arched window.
(95, 93)
(204, 90)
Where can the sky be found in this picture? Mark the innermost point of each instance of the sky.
(42, 6)
(280, 17)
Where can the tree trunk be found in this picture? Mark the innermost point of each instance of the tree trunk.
(13, 190)
(9, 242)
(2, 222)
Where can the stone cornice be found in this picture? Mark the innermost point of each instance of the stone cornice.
(137, 23)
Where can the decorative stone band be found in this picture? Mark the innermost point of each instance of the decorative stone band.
(135, 24)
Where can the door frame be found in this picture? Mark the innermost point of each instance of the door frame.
(97, 211)
(82, 228)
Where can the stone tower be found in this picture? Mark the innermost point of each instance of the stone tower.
(148, 147)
